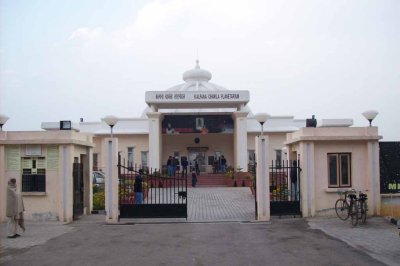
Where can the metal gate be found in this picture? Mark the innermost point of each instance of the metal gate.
(389, 156)
(162, 196)
(78, 190)
(285, 187)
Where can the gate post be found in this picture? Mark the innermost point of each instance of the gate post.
(262, 181)
(110, 158)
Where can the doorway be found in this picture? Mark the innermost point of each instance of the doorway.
(198, 155)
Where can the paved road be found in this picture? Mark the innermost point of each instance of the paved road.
(316, 241)
(282, 242)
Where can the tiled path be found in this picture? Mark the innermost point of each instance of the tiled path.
(220, 204)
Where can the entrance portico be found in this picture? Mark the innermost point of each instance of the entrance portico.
(198, 119)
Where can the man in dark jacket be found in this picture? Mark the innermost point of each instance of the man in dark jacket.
(138, 188)
(184, 166)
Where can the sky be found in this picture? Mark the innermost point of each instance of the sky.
(66, 60)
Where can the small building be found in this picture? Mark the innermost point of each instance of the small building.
(52, 169)
(335, 159)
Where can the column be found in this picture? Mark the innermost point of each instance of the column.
(240, 140)
(3, 184)
(66, 182)
(155, 140)
(262, 180)
(374, 198)
(307, 179)
(110, 156)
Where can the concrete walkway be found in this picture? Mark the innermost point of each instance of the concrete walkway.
(378, 237)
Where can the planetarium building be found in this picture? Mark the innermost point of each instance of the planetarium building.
(196, 120)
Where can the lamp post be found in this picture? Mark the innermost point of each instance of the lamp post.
(3, 120)
(262, 180)
(262, 118)
(111, 121)
(370, 115)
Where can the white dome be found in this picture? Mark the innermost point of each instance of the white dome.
(196, 74)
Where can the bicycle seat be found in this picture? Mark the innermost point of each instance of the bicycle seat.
(363, 195)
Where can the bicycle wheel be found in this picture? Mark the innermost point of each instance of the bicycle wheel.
(363, 212)
(342, 209)
(354, 213)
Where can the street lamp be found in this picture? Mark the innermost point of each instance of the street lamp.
(111, 121)
(370, 115)
(3, 120)
(262, 118)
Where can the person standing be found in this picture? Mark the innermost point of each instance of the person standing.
(184, 166)
(194, 179)
(175, 164)
(294, 178)
(223, 164)
(215, 165)
(169, 166)
(15, 209)
(196, 167)
(138, 188)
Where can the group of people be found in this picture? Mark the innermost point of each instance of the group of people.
(219, 165)
(173, 166)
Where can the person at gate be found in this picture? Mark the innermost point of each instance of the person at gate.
(138, 187)
(293, 179)
(223, 164)
(15, 209)
(169, 166)
(184, 167)
(194, 179)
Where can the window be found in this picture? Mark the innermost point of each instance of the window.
(33, 174)
(144, 156)
(130, 156)
(278, 158)
(339, 169)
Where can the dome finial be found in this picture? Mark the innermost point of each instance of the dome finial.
(197, 59)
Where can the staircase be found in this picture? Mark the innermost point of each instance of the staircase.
(211, 180)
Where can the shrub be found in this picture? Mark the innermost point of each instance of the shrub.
(99, 201)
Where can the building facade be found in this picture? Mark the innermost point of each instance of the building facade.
(198, 121)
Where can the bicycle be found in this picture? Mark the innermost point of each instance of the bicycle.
(347, 207)
(362, 207)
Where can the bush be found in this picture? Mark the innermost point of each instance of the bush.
(99, 201)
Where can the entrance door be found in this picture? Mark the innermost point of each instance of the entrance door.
(200, 157)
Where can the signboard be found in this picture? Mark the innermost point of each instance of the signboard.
(153, 97)
(203, 124)
(389, 160)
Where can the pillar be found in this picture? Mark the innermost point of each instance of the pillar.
(262, 180)
(155, 140)
(110, 156)
(3, 183)
(240, 140)
(66, 183)
(374, 201)
(307, 179)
